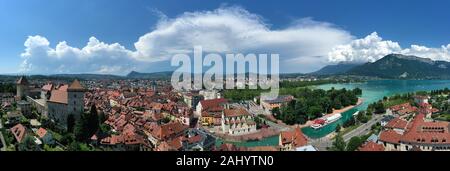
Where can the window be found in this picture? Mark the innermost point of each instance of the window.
(75, 96)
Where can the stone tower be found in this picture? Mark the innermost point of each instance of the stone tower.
(75, 99)
(22, 88)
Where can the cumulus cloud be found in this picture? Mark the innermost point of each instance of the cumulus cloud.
(373, 47)
(224, 30)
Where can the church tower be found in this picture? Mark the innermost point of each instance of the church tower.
(75, 99)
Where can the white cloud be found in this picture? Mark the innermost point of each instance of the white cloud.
(373, 47)
(227, 29)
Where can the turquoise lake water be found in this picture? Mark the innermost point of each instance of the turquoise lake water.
(372, 91)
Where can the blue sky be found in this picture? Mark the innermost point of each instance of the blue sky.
(402, 22)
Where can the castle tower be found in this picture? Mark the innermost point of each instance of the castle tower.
(75, 99)
(22, 88)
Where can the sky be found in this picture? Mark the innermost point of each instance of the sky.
(119, 36)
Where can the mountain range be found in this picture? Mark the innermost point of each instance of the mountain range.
(393, 66)
(335, 69)
(396, 66)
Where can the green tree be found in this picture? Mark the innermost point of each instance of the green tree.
(354, 143)
(93, 120)
(87, 125)
(338, 144)
(338, 128)
(67, 138)
(28, 144)
(276, 111)
(102, 117)
(70, 123)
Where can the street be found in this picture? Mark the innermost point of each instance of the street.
(363, 129)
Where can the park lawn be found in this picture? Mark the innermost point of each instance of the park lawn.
(349, 129)
(56, 135)
(442, 117)
(390, 103)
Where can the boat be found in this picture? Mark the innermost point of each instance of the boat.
(321, 122)
(356, 113)
(333, 118)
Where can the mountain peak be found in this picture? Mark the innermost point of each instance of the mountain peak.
(404, 66)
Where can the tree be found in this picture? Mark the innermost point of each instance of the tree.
(87, 125)
(104, 128)
(93, 120)
(70, 123)
(276, 111)
(349, 122)
(362, 117)
(67, 138)
(354, 143)
(338, 144)
(338, 128)
(102, 117)
(74, 146)
(379, 108)
(28, 144)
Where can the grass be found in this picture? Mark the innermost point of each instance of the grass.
(390, 103)
(56, 135)
(349, 129)
(442, 117)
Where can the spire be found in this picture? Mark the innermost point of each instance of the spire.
(22, 81)
(76, 86)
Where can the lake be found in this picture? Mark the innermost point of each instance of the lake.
(373, 91)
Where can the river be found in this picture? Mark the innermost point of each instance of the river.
(372, 91)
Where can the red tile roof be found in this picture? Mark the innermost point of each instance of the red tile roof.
(397, 123)
(235, 112)
(371, 146)
(390, 136)
(19, 132)
(420, 131)
(63, 87)
(400, 107)
(75, 86)
(167, 131)
(295, 137)
(213, 103)
(47, 87)
(41, 132)
(58, 96)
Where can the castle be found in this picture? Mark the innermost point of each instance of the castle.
(58, 103)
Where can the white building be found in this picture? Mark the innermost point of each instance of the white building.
(237, 122)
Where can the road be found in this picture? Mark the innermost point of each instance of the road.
(322, 143)
(364, 129)
(2, 138)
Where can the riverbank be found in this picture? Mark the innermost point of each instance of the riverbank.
(256, 136)
(335, 111)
